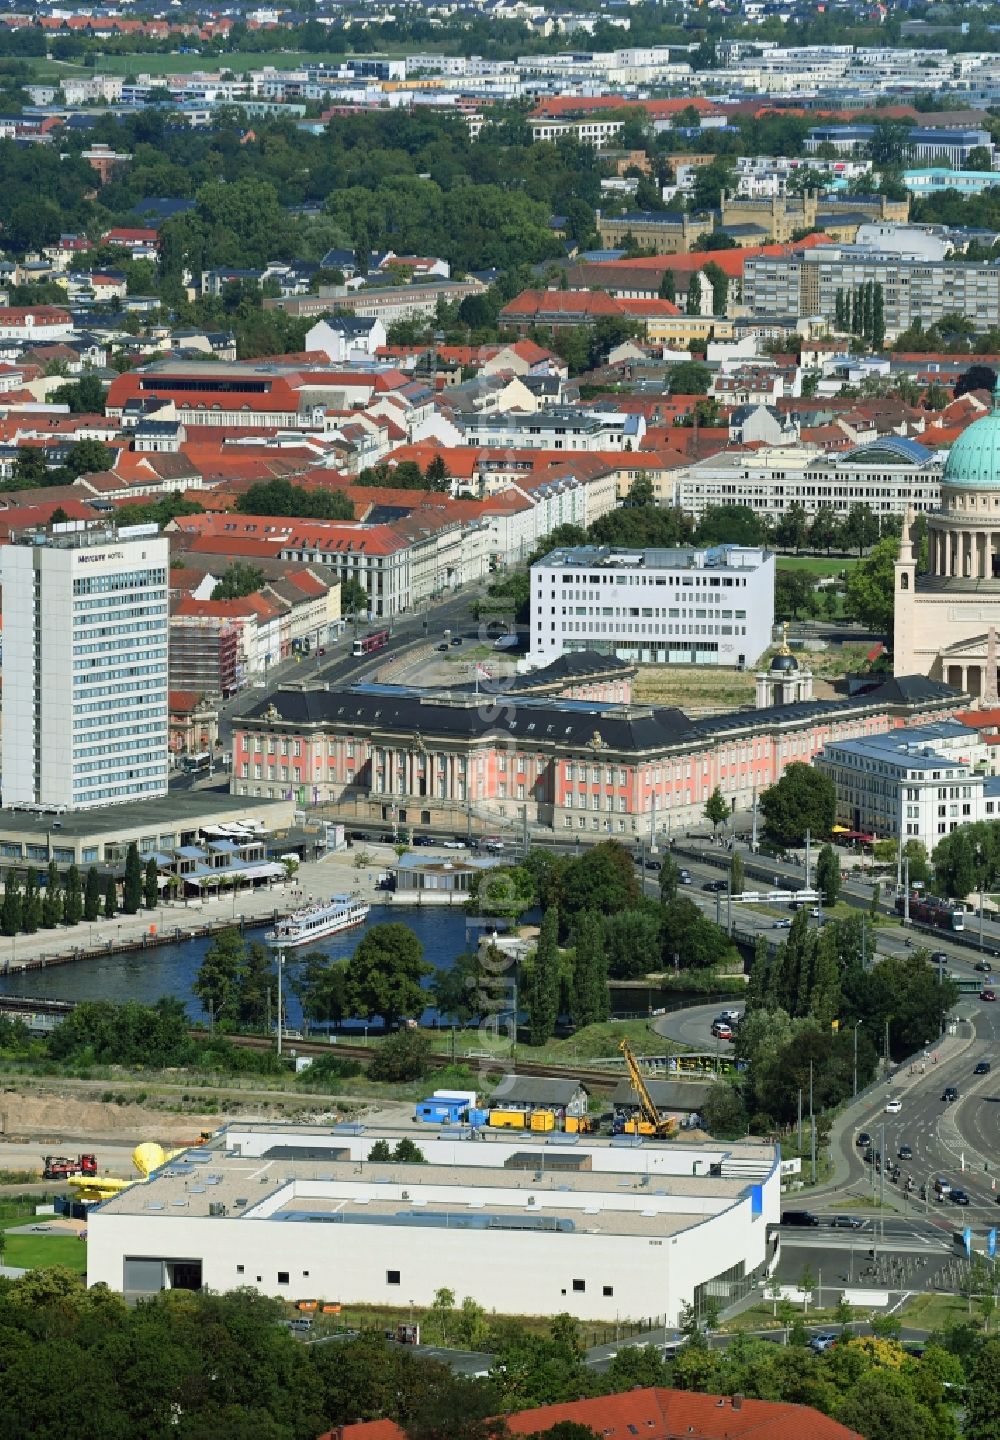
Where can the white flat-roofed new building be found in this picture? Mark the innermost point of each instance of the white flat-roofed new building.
(85, 667)
(522, 1225)
(919, 783)
(661, 607)
(891, 475)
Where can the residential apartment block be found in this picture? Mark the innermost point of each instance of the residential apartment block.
(807, 284)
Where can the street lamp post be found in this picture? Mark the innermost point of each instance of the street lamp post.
(881, 1191)
(857, 1027)
(281, 966)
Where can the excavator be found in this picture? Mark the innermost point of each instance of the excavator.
(649, 1121)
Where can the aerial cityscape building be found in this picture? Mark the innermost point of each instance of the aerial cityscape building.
(500, 701)
(85, 667)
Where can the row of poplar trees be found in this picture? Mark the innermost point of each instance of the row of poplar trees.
(28, 906)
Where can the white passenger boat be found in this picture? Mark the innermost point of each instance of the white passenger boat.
(316, 922)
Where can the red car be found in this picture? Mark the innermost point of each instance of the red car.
(988, 995)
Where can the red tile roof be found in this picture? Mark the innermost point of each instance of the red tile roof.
(556, 107)
(579, 303)
(41, 314)
(182, 702)
(656, 1414)
(649, 309)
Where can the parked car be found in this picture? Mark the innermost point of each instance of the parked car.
(983, 1067)
(893, 1107)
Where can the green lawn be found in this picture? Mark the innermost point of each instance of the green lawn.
(592, 1042)
(762, 1317)
(189, 64)
(39, 1252)
(818, 565)
(34, 1252)
(935, 1312)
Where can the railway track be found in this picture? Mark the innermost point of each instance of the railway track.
(595, 1079)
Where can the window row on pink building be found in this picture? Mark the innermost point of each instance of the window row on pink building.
(575, 765)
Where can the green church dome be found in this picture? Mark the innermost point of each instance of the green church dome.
(974, 460)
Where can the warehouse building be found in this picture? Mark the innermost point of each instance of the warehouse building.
(523, 1225)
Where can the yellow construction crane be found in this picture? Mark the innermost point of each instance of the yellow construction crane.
(652, 1122)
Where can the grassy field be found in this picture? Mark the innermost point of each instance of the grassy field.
(41, 1252)
(762, 1317)
(592, 1042)
(238, 63)
(37, 1252)
(692, 687)
(817, 565)
(934, 1312)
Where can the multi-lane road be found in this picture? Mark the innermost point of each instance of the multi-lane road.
(884, 939)
(957, 1139)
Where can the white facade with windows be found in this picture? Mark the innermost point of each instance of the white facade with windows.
(600, 1231)
(85, 668)
(890, 475)
(912, 784)
(662, 607)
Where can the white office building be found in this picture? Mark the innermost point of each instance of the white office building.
(891, 475)
(660, 607)
(521, 1224)
(84, 667)
(919, 783)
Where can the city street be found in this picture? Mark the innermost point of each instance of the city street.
(339, 667)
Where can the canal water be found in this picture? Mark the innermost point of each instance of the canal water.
(145, 975)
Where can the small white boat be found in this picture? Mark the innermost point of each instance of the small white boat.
(327, 917)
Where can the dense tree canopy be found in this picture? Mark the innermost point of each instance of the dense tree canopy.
(281, 497)
(803, 799)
